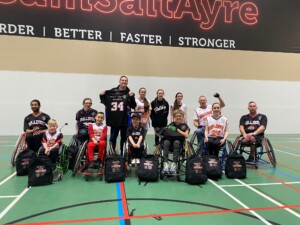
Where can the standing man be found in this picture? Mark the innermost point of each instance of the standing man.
(84, 117)
(201, 114)
(118, 103)
(252, 128)
(35, 125)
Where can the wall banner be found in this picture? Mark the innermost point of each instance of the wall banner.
(257, 25)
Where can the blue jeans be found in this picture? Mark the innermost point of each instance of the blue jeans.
(200, 137)
(114, 132)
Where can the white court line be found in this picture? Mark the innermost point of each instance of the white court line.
(287, 153)
(268, 198)
(261, 184)
(242, 204)
(7, 178)
(9, 196)
(13, 203)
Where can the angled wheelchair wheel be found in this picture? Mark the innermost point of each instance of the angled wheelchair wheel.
(235, 144)
(64, 159)
(20, 146)
(270, 151)
(79, 158)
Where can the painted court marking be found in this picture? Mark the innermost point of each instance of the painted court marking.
(241, 203)
(268, 198)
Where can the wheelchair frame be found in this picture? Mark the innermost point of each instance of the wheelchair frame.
(20, 146)
(265, 147)
(80, 166)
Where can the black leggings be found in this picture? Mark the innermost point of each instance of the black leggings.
(214, 146)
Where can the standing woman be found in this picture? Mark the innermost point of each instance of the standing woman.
(144, 108)
(159, 113)
(178, 104)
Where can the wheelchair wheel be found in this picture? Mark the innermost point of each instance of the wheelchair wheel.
(270, 151)
(79, 158)
(64, 159)
(20, 146)
(236, 143)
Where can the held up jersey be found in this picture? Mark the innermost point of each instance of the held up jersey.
(216, 126)
(32, 122)
(116, 102)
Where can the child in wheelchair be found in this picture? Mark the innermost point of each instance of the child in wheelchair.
(97, 133)
(135, 136)
(173, 139)
(51, 142)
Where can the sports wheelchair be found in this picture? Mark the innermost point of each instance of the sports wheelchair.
(132, 161)
(81, 163)
(201, 151)
(20, 146)
(262, 148)
(184, 153)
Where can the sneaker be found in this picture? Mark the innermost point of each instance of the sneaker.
(250, 161)
(137, 161)
(166, 168)
(173, 169)
(133, 161)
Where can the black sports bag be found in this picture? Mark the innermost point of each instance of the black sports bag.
(114, 168)
(195, 172)
(213, 167)
(40, 171)
(148, 168)
(235, 167)
(23, 160)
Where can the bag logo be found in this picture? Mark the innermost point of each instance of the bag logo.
(40, 171)
(148, 165)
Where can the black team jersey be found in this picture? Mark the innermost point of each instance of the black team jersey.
(33, 122)
(117, 102)
(135, 133)
(84, 118)
(251, 124)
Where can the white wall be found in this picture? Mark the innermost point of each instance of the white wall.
(61, 96)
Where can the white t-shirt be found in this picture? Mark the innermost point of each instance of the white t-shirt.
(140, 108)
(216, 126)
(202, 114)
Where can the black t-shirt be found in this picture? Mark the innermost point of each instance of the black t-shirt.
(84, 118)
(135, 133)
(32, 122)
(251, 124)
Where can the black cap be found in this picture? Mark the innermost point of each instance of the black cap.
(135, 115)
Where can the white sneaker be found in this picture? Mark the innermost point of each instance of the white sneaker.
(133, 161)
(173, 169)
(166, 168)
(137, 161)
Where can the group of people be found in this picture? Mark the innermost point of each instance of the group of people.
(130, 116)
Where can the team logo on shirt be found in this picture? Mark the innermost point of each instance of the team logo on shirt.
(43, 117)
(124, 96)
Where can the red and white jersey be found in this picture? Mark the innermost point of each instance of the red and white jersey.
(140, 108)
(216, 126)
(97, 130)
(52, 138)
(183, 107)
(202, 114)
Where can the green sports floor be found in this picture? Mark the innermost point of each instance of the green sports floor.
(267, 196)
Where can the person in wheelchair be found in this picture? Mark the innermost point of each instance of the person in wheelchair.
(35, 125)
(136, 137)
(252, 127)
(216, 130)
(173, 138)
(97, 133)
(52, 140)
(84, 117)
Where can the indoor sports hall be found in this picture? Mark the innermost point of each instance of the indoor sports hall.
(63, 51)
